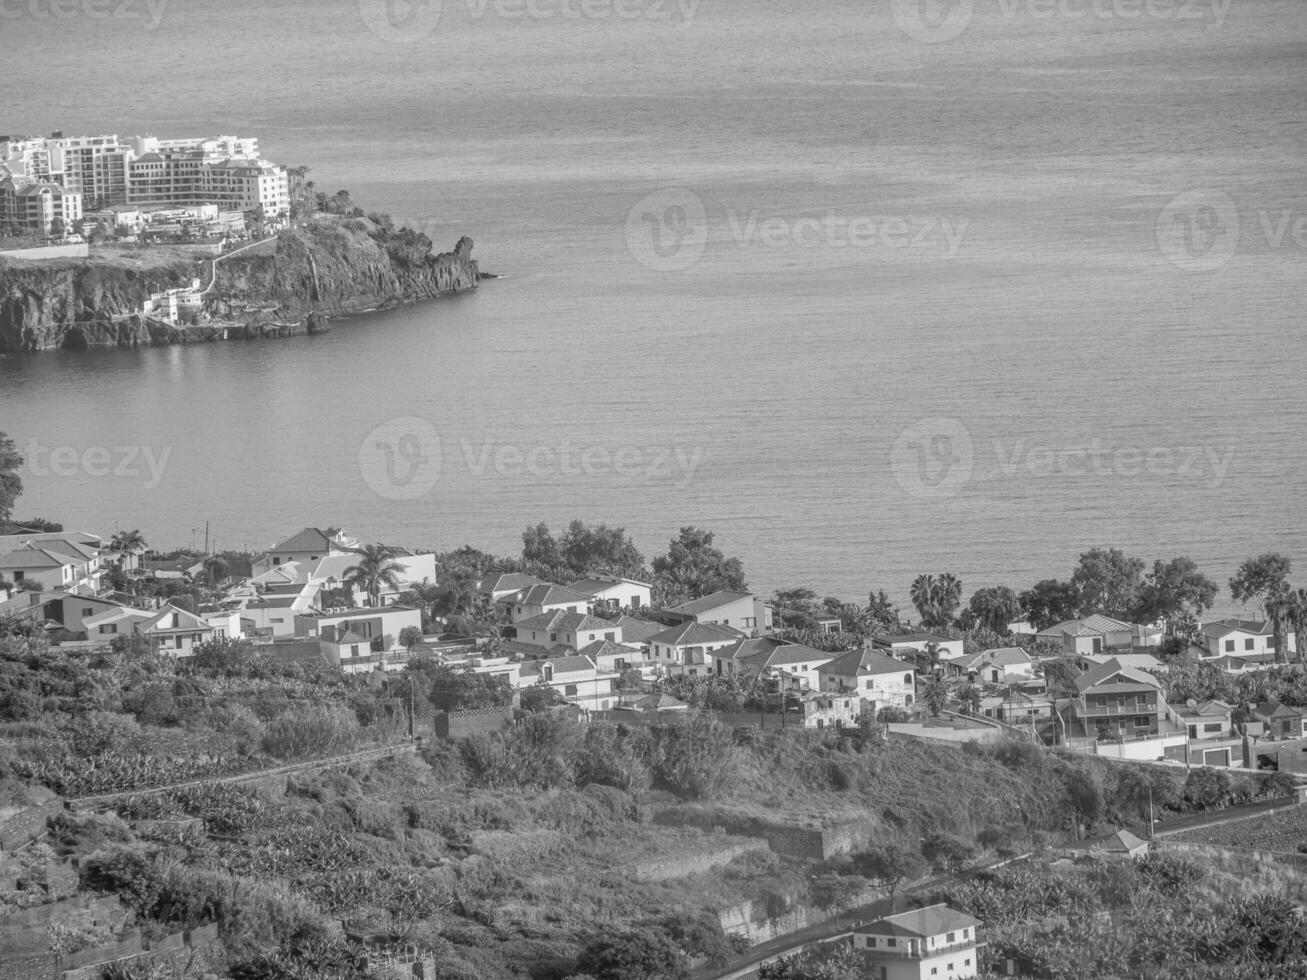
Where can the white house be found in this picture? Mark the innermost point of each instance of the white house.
(380, 627)
(174, 631)
(307, 547)
(331, 572)
(1001, 665)
(784, 667)
(571, 629)
(876, 677)
(55, 563)
(1243, 638)
(614, 593)
(495, 587)
(931, 943)
(738, 610)
(1100, 634)
(578, 679)
(686, 650)
(905, 644)
(544, 598)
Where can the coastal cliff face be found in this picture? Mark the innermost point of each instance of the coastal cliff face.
(334, 266)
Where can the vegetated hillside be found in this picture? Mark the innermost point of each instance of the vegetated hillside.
(522, 853)
(345, 265)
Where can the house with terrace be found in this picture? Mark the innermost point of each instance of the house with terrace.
(877, 678)
(739, 610)
(495, 587)
(380, 627)
(686, 650)
(932, 943)
(1117, 711)
(906, 645)
(617, 657)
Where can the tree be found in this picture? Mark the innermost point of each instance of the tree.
(224, 654)
(1172, 591)
(11, 484)
(995, 607)
(883, 614)
(374, 569)
(410, 636)
(456, 690)
(600, 550)
(1260, 577)
(640, 953)
(215, 569)
(1049, 602)
(693, 568)
(1108, 581)
(945, 851)
(1059, 674)
(890, 865)
(936, 599)
(538, 545)
(935, 693)
(969, 696)
(539, 697)
(1280, 609)
(125, 543)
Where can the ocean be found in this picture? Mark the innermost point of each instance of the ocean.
(867, 289)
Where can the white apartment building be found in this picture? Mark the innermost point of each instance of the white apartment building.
(149, 172)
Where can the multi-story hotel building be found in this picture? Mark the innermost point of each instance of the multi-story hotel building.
(147, 172)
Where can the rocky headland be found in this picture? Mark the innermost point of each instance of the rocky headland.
(328, 267)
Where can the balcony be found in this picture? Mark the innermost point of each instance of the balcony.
(911, 949)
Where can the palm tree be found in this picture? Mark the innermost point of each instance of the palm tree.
(1298, 620)
(125, 543)
(1279, 610)
(923, 593)
(374, 569)
(948, 597)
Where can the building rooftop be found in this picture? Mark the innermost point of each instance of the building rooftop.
(690, 633)
(933, 920)
(716, 600)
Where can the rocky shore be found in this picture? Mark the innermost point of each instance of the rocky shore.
(330, 267)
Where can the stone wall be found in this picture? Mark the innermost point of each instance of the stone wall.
(680, 865)
(806, 843)
(460, 724)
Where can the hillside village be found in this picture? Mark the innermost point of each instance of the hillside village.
(1093, 684)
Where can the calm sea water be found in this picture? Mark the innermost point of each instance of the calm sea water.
(901, 305)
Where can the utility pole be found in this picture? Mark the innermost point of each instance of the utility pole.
(1150, 812)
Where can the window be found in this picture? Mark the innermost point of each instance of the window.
(177, 642)
(892, 941)
(869, 683)
(1214, 726)
(934, 970)
(86, 611)
(951, 937)
(1141, 721)
(750, 622)
(1229, 646)
(610, 635)
(1249, 643)
(569, 690)
(967, 961)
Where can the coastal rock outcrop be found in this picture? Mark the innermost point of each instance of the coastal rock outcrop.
(332, 266)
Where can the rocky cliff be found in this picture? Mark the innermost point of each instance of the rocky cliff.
(334, 266)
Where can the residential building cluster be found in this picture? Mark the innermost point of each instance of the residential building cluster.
(50, 183)
(301, 601)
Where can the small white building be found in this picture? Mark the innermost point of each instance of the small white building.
(932, 943)
(614, 593)
(877, 678)
(906, 644)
